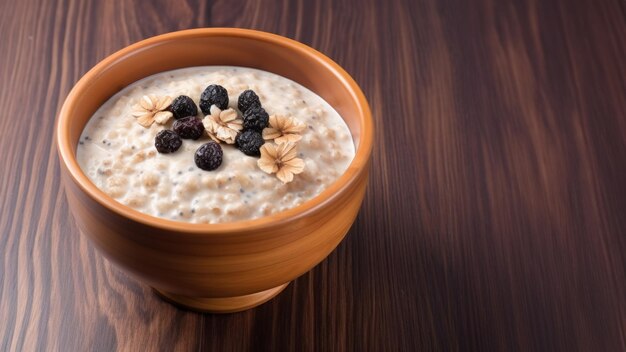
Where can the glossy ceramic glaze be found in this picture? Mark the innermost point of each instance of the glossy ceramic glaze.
(231, 266)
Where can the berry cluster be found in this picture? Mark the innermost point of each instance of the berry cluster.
(188, 126)
(248, 130)
(255, 119)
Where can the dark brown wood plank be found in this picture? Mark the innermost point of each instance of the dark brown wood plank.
(494, 218)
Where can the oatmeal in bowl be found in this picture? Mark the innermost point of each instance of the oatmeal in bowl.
(215, 176)
(277, 144)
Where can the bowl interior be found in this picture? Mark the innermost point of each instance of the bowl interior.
(225, 46)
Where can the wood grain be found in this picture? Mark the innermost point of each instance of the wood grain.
(494, 218)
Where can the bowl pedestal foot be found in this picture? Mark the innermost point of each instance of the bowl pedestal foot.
(222, 304)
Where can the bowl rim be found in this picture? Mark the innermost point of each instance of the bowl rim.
(349, 177)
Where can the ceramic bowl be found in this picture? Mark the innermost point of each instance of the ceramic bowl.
(216, 267)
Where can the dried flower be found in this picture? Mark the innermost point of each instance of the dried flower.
(283, 129)
(151, 109)
(222, 125)
(280, 159)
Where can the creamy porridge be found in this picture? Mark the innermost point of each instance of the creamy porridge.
(118, 154)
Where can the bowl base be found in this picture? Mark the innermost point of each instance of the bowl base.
(222, 304)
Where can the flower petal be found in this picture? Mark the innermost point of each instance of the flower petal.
(281, 140)
(284, 175)
(235, 125)
(286, 151)
(215, 111)
(280, 150)
(228, 115)
(232, 136)
(145, 120)
(269, 150)
(146, 103)
(226, 134)
(295, 165)
(267, 165)
(163, 103)
(222, 133)
(294, 127)
(273, 121)
(288, 138)
(283, 122)
(270, 133)
(162, 117)
(209, 124)
(138, 110)
(293, 138)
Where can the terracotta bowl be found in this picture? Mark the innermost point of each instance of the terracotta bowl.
(222, 267)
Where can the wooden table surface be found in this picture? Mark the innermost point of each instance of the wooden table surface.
(495, 217)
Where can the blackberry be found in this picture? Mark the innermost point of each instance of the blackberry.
(247, 99)
(183, 106)
(249, 142)
(209, 156)
(189, 127)
(255, 118)
(167, 141)
(213, 94)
